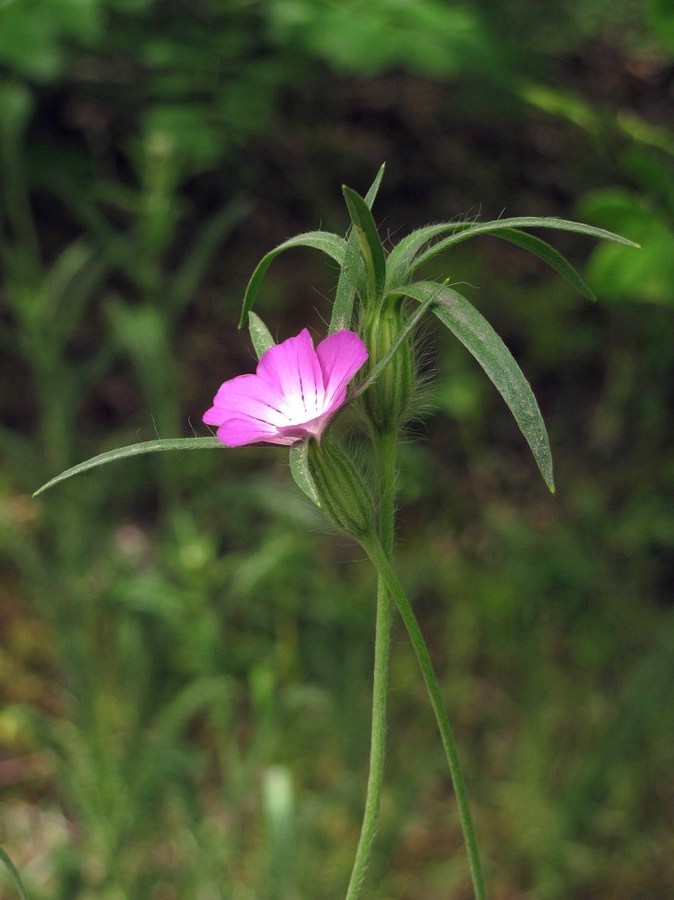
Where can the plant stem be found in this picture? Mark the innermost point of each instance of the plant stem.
(385, 454)
(382, 563)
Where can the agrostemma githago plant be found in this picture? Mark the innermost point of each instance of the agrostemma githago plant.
(368, 361)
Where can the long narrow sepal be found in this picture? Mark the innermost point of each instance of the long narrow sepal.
(199, 443)
(480, 339)
(299, 469)
(350, 273)
(260, 335)
(548, 254)
(417, 248)
(370, 244)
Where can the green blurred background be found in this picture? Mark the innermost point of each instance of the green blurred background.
(185, 648)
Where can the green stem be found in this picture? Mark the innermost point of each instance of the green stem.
(382, 563)
(385, 453)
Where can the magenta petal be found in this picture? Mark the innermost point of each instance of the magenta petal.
(293, 394)
(292, 369)
(340, 356)
(237, 432)
(246, 396)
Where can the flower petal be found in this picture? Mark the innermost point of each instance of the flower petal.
(247, 397)
(237, 432)
(340, 356)
(292, 370)
(293, 394)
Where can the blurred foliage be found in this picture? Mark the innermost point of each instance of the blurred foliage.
(185, 655)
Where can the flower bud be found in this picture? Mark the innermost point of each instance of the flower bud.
(387, 401)
(341, 487)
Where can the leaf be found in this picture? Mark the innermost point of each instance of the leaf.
(480, 339)
(259, 334)
(409, 253)
(300, 470)
(331, 244)
(548, 254)
(368, 239)
(202, 443)
(349, 276)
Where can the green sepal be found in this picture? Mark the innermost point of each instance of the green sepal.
(299, 468)
(341, 487)
(260, 335)
(480, 339)
(198, 443)
(370, 245)
(549, 255)
(409, 253)
(332, 245)
(350, 273)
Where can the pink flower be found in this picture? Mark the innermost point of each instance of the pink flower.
(292, 396)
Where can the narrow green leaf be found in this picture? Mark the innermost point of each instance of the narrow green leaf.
(480, 339)
(16, 878)
(331, 244)
(548, 254)
(300, 470)
(409, 253)
(368, 240)
(350, 273)
(259, 334)
(202, 443)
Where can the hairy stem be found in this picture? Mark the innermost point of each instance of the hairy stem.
(382, 563)
(385, 453)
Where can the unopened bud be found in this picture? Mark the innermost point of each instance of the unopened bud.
(387, 401)
(341, 487)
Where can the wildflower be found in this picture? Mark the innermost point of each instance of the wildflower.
(293, 394)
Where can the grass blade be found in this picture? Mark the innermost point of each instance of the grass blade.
(16, 878)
